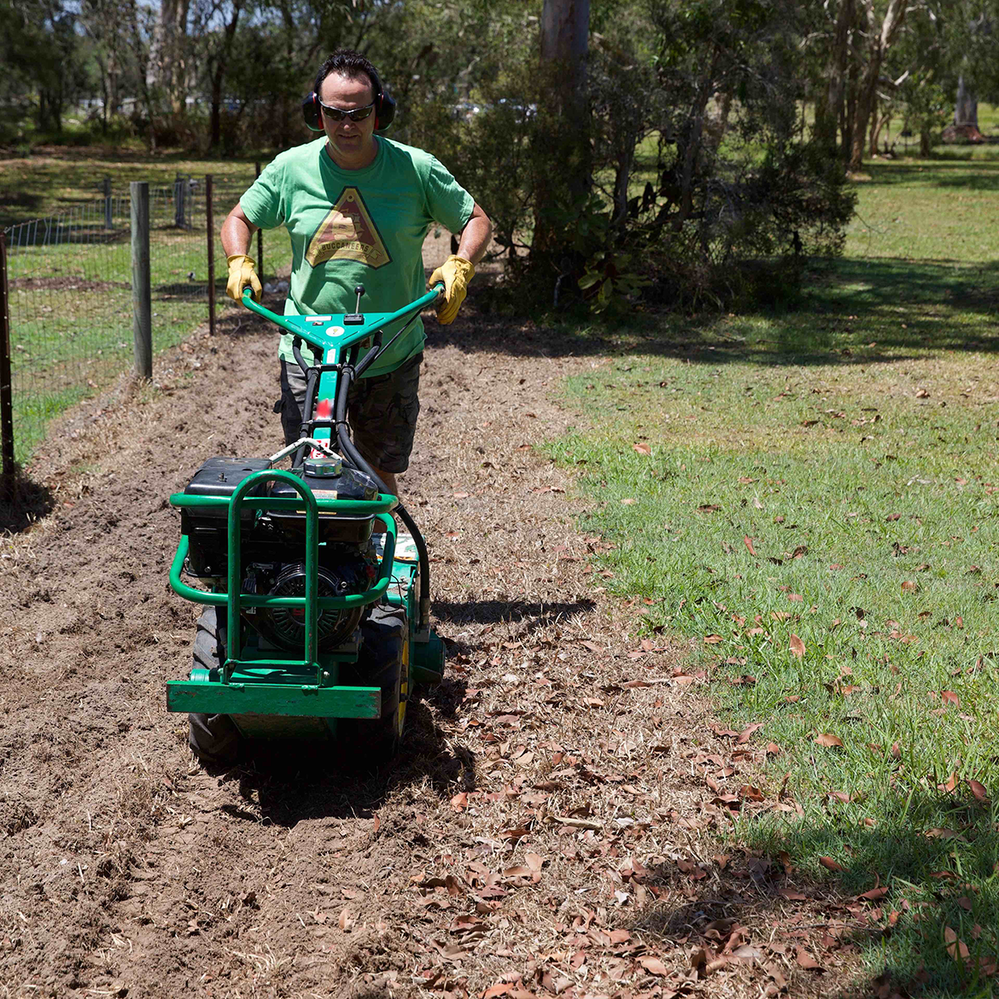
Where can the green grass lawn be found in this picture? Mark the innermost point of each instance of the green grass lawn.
(810, 499)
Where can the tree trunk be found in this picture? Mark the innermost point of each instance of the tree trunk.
(880, 40)
(830, 109)
(966, 107)
(562, 157)
(168, 59)
(143, 73)
(688, 147)
(221, 62)
(878, 125)
(622, 175)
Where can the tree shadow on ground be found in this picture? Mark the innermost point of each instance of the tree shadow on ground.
(22, 502)
(974, 175)
(918, 903)
(296, 781)
(851, 312)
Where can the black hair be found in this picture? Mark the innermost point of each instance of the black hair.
(351, 64)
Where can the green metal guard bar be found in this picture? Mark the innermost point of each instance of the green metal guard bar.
(311, 601)
(369, 596)
(236, 564)
(362, 508)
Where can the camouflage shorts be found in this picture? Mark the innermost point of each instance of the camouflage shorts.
(381, 411)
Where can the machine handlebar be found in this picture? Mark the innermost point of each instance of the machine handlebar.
(329, 330)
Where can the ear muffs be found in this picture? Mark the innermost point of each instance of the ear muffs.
(384, 108)
(384, 105)
(310, 112)
(384, 112)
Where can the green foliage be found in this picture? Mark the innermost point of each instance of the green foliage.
(609, 272)
(736, 192)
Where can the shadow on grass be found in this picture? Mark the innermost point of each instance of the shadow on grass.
(974, 175)
(22, 502)
(853, 311)
(919, 902)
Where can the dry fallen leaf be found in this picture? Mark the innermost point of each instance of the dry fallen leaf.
(641, 448)
(797, 646)
(956, 947)
(748, 541)
(874, 894)
(978, 790)
(830, 865)
(829, 740)
(747, 733)
(499, 989)
(938, 833)
(806, 961)
(653, 965)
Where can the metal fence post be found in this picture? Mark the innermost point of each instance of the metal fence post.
(210, 226)
(142, 320)
(179, 218)
(108, 221)
(260, 241)
(6, 396)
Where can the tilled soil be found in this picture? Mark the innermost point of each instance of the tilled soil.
(543, 831)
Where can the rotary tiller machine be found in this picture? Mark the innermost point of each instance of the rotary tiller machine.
(315, 625)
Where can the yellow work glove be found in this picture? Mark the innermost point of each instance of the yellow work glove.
(455, 272)
(242, 272)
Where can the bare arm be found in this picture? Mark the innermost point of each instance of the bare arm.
(474, 237)
(237, 232)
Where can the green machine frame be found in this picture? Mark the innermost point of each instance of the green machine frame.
(262, 688)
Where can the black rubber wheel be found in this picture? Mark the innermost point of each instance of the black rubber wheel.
(383, 662)
(214, 739)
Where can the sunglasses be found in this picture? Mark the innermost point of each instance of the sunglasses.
(357, 114)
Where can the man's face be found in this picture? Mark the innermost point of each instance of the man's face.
(352, 143)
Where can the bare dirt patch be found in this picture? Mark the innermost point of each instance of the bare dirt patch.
(547, 829)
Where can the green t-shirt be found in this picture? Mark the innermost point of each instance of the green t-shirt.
(351, 227)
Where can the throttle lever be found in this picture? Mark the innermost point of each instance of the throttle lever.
(355, 318)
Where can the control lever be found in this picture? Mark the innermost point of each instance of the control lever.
(355, 318)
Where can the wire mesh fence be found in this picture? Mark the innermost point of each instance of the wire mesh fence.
(70, 300)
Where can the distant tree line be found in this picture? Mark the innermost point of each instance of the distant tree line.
(624, 148)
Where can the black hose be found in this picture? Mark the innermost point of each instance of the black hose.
(348, 448)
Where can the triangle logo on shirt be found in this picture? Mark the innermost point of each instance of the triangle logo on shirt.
(348, 233)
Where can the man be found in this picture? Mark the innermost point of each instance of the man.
(357, 207)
